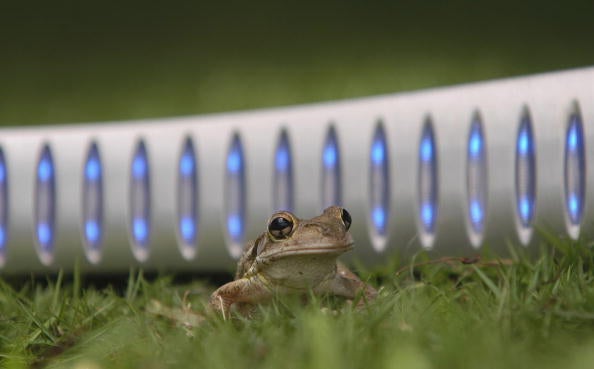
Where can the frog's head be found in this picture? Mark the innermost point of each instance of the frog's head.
(302, 250)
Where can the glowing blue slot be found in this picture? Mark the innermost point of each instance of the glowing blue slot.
(235, 226)
(428, 184)
(476, 143)
(426, 149)
(525, 173)
(379, 217)
(378, 152)
(379, 187)
(140, 229)
(45, 170)
(235, 197)
(283, 174)
(572, 138)
(282, 159)
(234, 160)
(330, 154)
(44, 234)
(476, 180)
(476, 212)
(45, 197)
(3, 206)
(92, 203)
(92, 232)
(331, 171)
(93, 169)
(523, 142)
(139, 165)
(187, 197)
(427, 212)
(525, 209)
(140, 202)
(188, 229)
(575, 168)
(186, 164)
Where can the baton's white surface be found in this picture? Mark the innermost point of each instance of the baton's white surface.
(550, 99)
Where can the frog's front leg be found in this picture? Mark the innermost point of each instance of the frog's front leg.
(346, 284)
(241, 290)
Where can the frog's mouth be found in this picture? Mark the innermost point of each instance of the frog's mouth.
(318, 250)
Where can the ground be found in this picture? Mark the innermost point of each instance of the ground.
(517, 312)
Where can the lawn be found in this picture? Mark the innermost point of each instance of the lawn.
(518, 312)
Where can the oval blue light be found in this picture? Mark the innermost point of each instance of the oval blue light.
(92, 232)
(139, 166)
(140, 229)
(92, 201)
(379, 187)
(140, 202)
(3, 206)
(331, 170)
(428, 184)
(235, 197)
(476, 180)
(426, 148)
(187, 199)
(45, 205)
(283, 174)
(525, 173)
(44, 233)
(45, 169)
(93, 169)
(187, 228)
(330, 155)
(235, 225)
(574, 171)
(234, 161)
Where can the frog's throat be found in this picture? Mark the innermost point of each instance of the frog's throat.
(293, 251)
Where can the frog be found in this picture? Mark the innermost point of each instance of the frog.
(294, 256)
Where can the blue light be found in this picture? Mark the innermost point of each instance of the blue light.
(187, 228)
(235, 226)
(476, 142)
(572, 138)
(525, 209)
(476, 212)
(44, 234)
(523, 142)
(427, 214)
(330, 154)
(282, 158)
(2, 237)
(186, 164)
(234, 160)
(140, 230)
(574, 206)
(379, 217)
(44, 170)
(92, 231)
(2, 171)
(139, 165)
(93, 169)
(426, 148)
(378, 152)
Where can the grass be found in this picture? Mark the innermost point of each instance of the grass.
(522, 312)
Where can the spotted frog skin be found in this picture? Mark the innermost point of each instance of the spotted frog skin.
(294, 256)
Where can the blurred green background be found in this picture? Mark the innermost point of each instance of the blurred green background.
(77, 61)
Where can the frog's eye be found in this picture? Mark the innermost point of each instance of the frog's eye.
(280, 227)
(346, 219)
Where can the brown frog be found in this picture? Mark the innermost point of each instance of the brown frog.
(294, 256)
